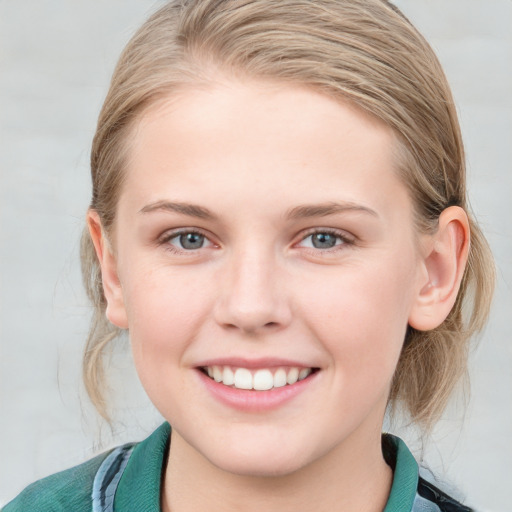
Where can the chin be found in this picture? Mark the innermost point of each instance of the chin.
(259, 459)
(275, 467)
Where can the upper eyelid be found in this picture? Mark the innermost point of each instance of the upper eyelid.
(348, 241)
(164, 241)
(343, 234)
(169, 234)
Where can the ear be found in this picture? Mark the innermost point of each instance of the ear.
(444, 263)
(116, 312)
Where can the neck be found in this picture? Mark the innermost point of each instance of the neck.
(351, 477)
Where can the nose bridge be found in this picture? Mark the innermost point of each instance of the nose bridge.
(251, 296)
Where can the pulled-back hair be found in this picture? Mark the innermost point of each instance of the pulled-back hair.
(361, 51)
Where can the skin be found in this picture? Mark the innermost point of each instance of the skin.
(252, 153)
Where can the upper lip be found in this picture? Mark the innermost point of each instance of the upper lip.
(263, 362)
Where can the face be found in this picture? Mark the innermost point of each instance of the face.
(267, 265)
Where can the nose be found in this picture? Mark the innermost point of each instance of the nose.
(252, 296)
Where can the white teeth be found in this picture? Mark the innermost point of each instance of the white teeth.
(217, 374)
(292, 376)
(228, 377)
(280, 378)
(263, 380)
(304, 373)
(259, 380)
(243, 379)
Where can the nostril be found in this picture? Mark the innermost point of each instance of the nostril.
(252, 328)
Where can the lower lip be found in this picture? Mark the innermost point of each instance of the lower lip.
(256, 401)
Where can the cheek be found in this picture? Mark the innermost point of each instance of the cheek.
(165, 308)
(165, 313)
(361, 316)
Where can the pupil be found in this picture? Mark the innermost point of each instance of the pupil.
(323, 240)
(191, 240)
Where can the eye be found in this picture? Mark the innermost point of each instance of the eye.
(186, 241)
(324, 240)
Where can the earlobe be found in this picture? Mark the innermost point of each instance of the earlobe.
(115, 311)
(444, 263)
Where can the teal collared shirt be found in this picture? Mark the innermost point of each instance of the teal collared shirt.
(128, 479)
(405, 478)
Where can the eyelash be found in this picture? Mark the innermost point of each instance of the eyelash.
(342, 236)
(165, 240)
(344, 239)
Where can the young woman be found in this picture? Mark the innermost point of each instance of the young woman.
(279, 221)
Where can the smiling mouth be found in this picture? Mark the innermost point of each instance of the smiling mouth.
(258, 380)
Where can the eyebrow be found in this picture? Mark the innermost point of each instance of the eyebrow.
(298, 212)
(325, 209)
(191, 210)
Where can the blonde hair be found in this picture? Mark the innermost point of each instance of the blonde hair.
(362, 51)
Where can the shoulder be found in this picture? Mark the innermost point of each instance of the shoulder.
(132, 480)
(414, 488)
(68, 490)
(428, 492)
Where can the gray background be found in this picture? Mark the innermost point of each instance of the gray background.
(56, 57)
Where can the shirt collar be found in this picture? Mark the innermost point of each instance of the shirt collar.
(139, 487)
(405, 476)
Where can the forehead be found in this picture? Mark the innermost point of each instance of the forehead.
(260, 109)
(266, 136)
